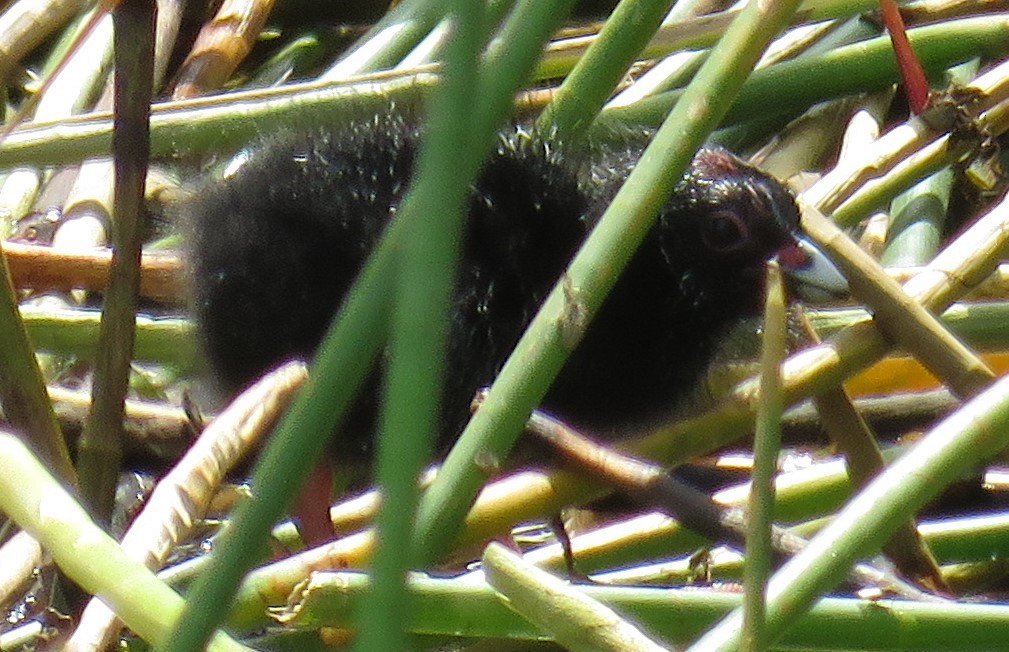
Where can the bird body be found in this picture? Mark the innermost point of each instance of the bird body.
(277, 243)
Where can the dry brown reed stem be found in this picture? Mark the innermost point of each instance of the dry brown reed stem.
(904, 144)
(223, 43)
(902, 319)
(44, 268)
(182, 496)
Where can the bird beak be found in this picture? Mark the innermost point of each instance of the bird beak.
(813, 277)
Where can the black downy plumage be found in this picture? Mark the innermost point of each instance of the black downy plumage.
(278, 241)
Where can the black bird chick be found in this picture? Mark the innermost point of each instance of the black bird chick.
(278, 241)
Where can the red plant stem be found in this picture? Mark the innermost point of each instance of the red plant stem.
(910, 67)
(311, 505)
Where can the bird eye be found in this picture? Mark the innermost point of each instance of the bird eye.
(724, 231)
